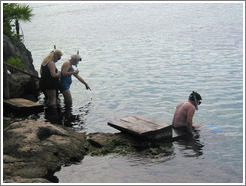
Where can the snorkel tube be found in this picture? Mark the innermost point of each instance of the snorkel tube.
(197, 103)
(77, 64)
(55, 54)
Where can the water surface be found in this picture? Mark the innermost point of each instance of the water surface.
(145, 58)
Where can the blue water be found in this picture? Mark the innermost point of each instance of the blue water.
(145, 58)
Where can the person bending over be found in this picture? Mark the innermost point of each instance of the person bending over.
(67, 71)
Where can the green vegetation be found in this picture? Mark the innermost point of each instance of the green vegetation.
(16, 62)
(13, 13)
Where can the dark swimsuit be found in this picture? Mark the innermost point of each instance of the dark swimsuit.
(48, 82)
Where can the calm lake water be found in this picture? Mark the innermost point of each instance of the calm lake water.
(145, 58)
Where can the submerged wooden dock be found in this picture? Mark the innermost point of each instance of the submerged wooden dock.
(23, 105)
(143, 126)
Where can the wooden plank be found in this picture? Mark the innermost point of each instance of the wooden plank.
(20, 70)
(177, 134)
(161, 130)
(150, 120)
(145, 122)
(125, 127)
(143, 126)
(163, 133)
(138, 125)
(22, 104)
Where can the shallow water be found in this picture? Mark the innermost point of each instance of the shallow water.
(146, 58)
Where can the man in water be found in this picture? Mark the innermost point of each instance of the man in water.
(185, 111)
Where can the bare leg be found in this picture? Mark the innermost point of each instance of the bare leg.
(51, 101)
(67, 97)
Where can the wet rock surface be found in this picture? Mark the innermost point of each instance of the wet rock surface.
(34, 150)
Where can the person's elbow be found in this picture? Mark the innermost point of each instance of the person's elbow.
(55, 75)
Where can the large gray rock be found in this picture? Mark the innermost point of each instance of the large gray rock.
(21, 85)
(34, 150)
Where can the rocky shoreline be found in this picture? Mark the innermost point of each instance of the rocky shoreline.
(19, 83)
(34, 150)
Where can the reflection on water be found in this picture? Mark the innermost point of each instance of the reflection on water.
(190, 147)
(161, 159)
(63, 115)
(145, 61)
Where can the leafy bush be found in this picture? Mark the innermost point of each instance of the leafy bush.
(13, 13)
(16, 62)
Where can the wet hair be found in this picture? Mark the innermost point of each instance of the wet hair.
(198, 96)
(53, 56)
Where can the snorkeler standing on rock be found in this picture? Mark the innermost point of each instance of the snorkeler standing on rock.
(67, 71)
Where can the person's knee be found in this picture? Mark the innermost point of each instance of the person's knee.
(51, 97)
(67, 97)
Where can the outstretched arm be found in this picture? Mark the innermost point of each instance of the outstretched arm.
(82, 81)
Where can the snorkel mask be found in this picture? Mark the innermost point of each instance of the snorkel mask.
(197, 102)
(80, 59)
(57, 57)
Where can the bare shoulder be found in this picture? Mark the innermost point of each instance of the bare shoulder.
(66, 63)
(183, 104)
(187, 105)
(191, 106)
(51, 64)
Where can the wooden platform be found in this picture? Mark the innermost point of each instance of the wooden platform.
(177, 134)
(20, 104)
(143, 126)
